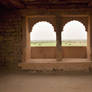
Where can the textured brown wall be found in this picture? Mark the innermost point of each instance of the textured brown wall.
(10, 39)
(50, 52)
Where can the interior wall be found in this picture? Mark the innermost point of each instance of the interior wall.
(50, 52)
(10, 39)
(13, 40)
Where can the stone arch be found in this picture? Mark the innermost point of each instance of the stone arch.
(83, 20)
(76, 21)
(49, 31)
(81, 34)
(32, 20)
(43, 21)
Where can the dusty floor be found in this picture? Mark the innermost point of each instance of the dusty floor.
(28, 82)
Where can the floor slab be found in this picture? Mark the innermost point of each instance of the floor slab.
(27, 82)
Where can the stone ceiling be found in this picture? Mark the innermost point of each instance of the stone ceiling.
(46, 3)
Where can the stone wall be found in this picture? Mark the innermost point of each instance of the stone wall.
(10, 39)
(14, 36)
(50, 52)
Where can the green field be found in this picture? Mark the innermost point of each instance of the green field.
(64, 43)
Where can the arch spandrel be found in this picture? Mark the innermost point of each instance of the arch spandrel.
(83, 20)
(33, 20)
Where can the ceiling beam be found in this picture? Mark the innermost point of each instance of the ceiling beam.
(27, 3)
(4, 2)
(90, 4)
(55, 1)
(12, 3)
(16, 3)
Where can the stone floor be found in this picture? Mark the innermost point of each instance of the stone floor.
(52, 82)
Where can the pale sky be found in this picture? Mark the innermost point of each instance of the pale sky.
(43, 31)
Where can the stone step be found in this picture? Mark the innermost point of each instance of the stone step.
(53, 65)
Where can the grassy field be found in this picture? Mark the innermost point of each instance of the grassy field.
(64, 43)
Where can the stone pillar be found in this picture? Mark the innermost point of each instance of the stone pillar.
(89, 40)
(58, 39)
(26, 40)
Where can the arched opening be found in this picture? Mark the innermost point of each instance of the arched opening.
(42, 34)
(74, 34)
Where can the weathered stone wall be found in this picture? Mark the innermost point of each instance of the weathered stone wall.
(50, 52)
(10, 39)
(14, 35)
